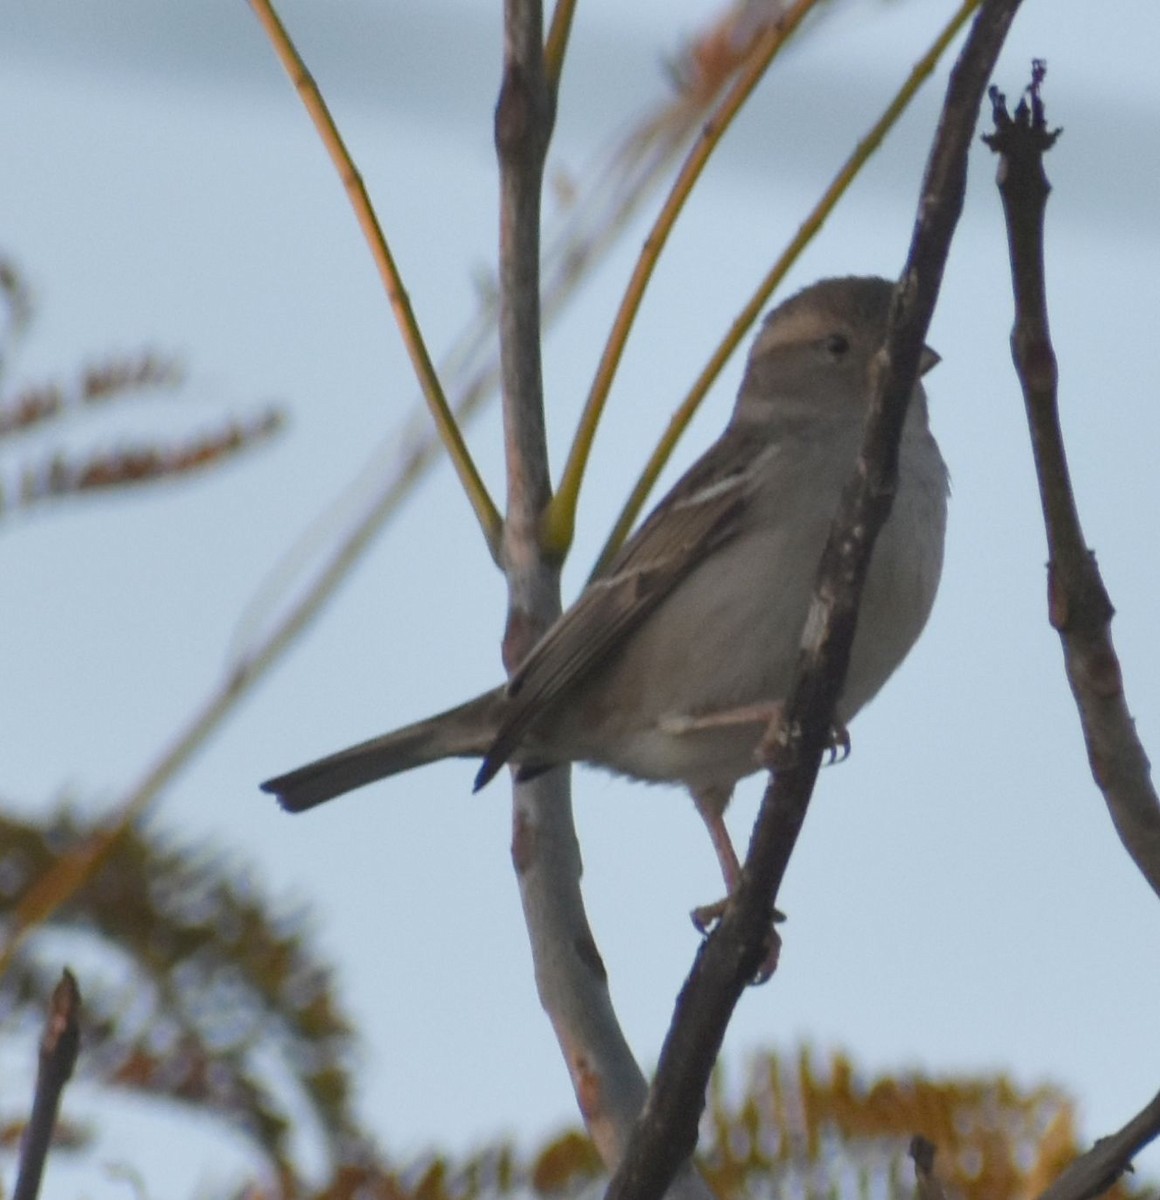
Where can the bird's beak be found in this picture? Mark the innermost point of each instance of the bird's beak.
(929, 358)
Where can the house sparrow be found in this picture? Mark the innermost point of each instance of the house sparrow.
(671, 665)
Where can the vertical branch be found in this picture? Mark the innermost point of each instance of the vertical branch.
(927, 1185)
(570, 976)
(667, 1132)
(524, 118)
(1078, 604)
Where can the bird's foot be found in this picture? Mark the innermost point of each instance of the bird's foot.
(711, 803)
(839, 745)
(706, 917)
(776, 747)
(779, 748)
(769, 962)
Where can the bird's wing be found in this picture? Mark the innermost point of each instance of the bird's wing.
(704, 511)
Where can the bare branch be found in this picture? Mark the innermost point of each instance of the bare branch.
(667, 1132)
(524, 117)
(1096, 1171)
(569, 973)
(1077, 602)
(58, 1056)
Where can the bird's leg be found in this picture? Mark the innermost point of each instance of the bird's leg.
(711, 803)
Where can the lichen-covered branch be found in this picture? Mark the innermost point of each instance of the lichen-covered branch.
(570, 976)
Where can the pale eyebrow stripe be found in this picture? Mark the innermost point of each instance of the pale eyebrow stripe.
(793, 328)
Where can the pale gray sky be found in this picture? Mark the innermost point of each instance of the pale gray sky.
(958, 902)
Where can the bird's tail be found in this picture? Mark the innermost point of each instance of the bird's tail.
(463, 732)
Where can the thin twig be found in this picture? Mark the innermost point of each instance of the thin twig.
(667, 1132)
(557, 44)
(485, 510)
(74, 869)
(58, 1055)
(688, 407)
(1078, 604)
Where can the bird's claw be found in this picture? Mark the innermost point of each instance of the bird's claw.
(769, 962)
(839, 746)
(706, 917)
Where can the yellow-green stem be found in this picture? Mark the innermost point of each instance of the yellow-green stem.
(485, 510)
(560, 518)
(688, 407)
(556, 42)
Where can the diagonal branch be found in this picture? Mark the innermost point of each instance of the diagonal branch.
(557, 43)
(449, 432)
(666, 1134)
(1096, 1171)
(1078, 604)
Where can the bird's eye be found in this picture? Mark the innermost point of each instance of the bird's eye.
(837, 344)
